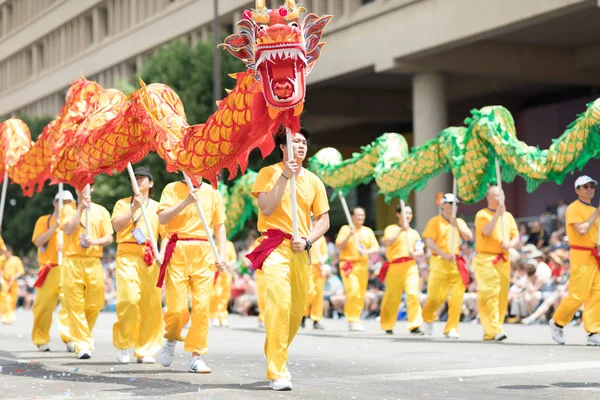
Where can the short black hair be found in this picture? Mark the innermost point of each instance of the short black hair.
(280, 139)
(399, 208)
(356, 208)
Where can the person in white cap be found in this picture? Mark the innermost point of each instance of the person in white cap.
(583, 223)
(448, 275)
(49, 284)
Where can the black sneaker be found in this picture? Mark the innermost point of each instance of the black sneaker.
(500, 337)
(302, 323)
(317, 325)
(389, 332)
(417, 331)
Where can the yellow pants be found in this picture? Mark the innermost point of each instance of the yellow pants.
(584, 288)
(286, 278)
(46, 299)
(192, 268)
(403, 277)
(355, 286)
(493, 281)
(139, 311)
(8, 302)
(221, 293)
(261, 290)
(314, 302)
(444, 282)
(84, 297)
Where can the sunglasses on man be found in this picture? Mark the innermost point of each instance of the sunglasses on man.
(588, 186)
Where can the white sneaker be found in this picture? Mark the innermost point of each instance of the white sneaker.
(44, 347)
(594, 339)
(558, 333)
(71, 347)
(225, 323)
(123, 356)
(261, 325)
(428, 328)
(198, 366)
(84, 354)
(215, 322)
(354, 327)
(146, 360)
(500, 337)
(452, 334)
(281, 384)
(167, 353)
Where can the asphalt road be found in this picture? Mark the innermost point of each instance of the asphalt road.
(330, 364)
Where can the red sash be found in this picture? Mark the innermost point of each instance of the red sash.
(169, 253)
(273, 238)
(498, 258)
(216, 277)
(43, 274)
(346, 267)
(461, 263)
(148, 251)
(593, 250)
(386, 266)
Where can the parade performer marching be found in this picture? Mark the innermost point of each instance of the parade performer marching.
(189, 266)
(401, 273)
(319, 254)
(582, 224)
(284, 259)
(12, 269)
(355, 244)
(48, 284)
(221, 291)
(492, 264)
(139, 310)
(86, 233)
(448, 275)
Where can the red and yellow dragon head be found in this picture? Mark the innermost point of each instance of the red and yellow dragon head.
(280, 50)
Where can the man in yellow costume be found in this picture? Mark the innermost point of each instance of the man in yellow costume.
(583, 223)
(139, 310)
(355, 244)
(448, 274)
(283, 259)
(189, 265)
(221, 291)
(492, 263)
(48, 284)
(83, 283)
(12, 269)
(401, 274)
(319, 254)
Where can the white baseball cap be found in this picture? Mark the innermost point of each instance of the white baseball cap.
(449, 198)
(582, 180)
(66, 196)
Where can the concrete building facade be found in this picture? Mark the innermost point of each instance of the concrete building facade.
(413, 66)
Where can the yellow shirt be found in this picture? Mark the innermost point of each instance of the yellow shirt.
(579, 212)
(398, 248)
(3, 247)
(187, 223)
(230, 253)
(493, 244)
(100, 226)
(439, 230)
(12, 268)
(310, 195)
(366, 237)
(319, 250)
(125, 239)
(48, 254)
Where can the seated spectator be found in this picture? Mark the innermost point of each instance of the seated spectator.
(538, 236)
(333, 293)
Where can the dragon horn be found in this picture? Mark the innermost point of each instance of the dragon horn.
(290, 3)
(261, 4)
